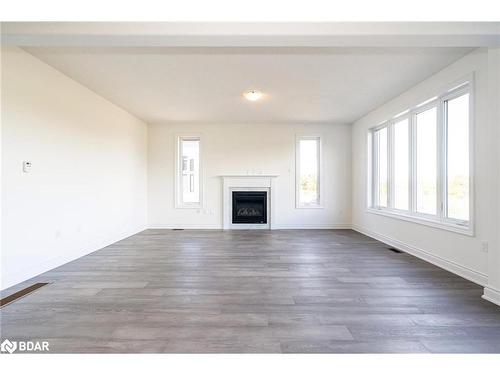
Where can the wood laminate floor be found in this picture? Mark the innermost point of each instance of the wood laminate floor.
(291, 291)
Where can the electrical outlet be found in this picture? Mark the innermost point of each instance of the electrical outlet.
(26, 166)
(484, 246)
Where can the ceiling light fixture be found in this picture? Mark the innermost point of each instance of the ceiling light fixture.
(253, 95)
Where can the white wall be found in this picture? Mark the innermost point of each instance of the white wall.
(87, 187)
(492, 290)
(236, 149)
(459, 253)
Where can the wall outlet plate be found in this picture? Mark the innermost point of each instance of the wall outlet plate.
(26, 166)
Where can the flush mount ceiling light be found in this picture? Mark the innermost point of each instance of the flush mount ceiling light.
(253, 95)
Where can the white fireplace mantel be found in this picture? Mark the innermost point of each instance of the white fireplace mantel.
(254, 182)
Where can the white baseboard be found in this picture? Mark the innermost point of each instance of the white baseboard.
(27, 272)
(491, 294)
(186, 226)
(312, 226)
(462, 271)
(276, 226)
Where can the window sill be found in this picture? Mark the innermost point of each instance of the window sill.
(449, 226)
(189, 206)
(316, 206)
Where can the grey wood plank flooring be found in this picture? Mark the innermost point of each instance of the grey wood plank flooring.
(290, 291)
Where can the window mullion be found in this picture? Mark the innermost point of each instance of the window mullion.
(180, 184)
(412, 134)
(319, 159)
(441, 161)
(390, 166)
(375, 170)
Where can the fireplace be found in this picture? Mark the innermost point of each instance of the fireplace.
(260, 189)
(249, 207)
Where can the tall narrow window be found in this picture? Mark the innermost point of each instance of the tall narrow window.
(426, 183)
(401, 164)
(457, 137)
(308, 171)
(189, 191)
(382, 181)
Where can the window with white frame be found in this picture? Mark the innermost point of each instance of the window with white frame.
(308, 172)
(188, 179)
(420, 162)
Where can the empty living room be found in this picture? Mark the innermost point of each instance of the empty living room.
(250, 187)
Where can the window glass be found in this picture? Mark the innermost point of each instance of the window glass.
(426, 184)
(382, 168)
(190, 170)
(457, 118)
(401, 164)
(309, 171)
(421, 160)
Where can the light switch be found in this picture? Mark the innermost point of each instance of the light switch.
(26, 166)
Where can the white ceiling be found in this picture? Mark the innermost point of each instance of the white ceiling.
(302, 85)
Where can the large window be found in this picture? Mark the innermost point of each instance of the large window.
(188, 172)
(420, 163)
(308, 190)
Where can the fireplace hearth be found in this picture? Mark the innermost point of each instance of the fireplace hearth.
(249, 207)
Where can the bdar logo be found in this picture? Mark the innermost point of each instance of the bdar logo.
(8, 346)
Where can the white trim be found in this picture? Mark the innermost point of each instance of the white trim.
(465, 88)
(458, 269)
(27, 272)
(298, 226)
(424, 107)
(390, 167)
(491, 294)
(186, 226)
(369, 170)
(441, 162)
(431, 105)
(412, 206)
(422, 220)
(177, 180)
(398, 120)
(382, 125)
(312, 226)
(248, 175)
(319, 139)
(440, 219)
(247, 182)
